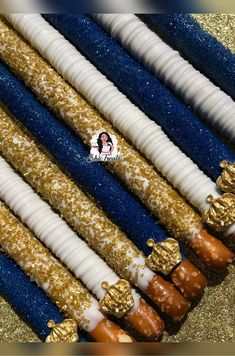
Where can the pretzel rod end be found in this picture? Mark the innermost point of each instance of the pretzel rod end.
(211, 251)
(146, 321)
(190, 281)
(107, 331)
(168, 298)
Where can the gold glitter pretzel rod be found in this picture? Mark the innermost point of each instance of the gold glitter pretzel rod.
(116, 297)
(72, 298)
(141, 178)
(91, 222)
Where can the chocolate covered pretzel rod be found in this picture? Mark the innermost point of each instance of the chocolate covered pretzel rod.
(124, 209)
(37, 314)
(75, 254)
(201, 47)
(106, 238)
(71, 297)
(153, 99)
(195, 89)
(61, 98)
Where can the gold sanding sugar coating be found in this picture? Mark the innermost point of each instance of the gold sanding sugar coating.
(37, 261)
(12, 328)
(140, 177)
(221, 26)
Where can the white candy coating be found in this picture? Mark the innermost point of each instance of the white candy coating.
(145, 134)
(207, 99)
(94, 315)
(55, 233)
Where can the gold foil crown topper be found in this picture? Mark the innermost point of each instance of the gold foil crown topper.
(118, 299)
(221, 213)
(226, 181)
(165, 255)
(63, 332)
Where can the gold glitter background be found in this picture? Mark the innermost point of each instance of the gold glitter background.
(12, 328)
(221, 26)
(213, 318)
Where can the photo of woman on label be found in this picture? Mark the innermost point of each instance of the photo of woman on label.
(105, 144)
(104, 147)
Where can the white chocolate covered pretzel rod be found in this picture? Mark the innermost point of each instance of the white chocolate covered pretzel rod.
(207, 99)
(65, 244)
(72, 298)
(134, 124)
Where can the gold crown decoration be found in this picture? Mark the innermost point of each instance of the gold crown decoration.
(63, 332)
(221, 213)
(226, 181)
(118, 299)
(165, 255)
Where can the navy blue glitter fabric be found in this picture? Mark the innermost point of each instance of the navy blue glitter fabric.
(29, 301)
(146, 91)
(201, 49)
(121, 206)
